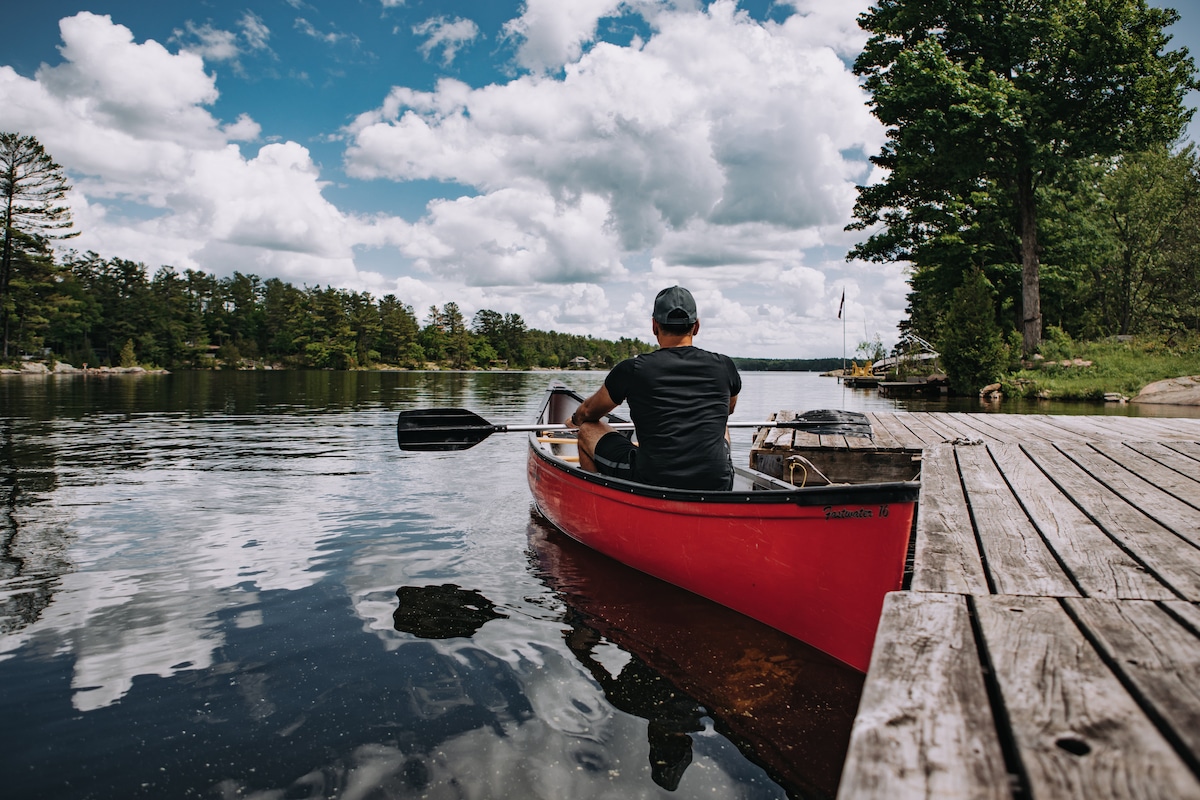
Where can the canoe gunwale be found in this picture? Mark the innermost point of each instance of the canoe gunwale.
(847, 494)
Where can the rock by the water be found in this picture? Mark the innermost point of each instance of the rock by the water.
(1183, 391)
(63, 368)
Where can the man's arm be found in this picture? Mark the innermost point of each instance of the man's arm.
(594, 408)
(732, 406)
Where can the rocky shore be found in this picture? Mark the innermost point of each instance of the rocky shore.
(1183, 391)
(63, 368)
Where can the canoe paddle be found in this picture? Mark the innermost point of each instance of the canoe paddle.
(459, 428)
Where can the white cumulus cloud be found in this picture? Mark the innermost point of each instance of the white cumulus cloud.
(451, 35)
(720, 142)
(157, 176)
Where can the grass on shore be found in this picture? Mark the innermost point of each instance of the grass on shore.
(1123, 367)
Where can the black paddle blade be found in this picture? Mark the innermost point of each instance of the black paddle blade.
(834, 415)
(834, 422)
(441, 429)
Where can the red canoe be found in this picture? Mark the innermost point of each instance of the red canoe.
(813, 562)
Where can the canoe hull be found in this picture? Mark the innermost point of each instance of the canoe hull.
(814, 565)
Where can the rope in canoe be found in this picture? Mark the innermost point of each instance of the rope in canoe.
(804, 464)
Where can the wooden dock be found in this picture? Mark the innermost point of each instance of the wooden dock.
(1048, 643)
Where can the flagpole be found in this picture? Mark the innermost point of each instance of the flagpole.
(841, 309)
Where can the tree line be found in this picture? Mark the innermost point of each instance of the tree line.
(93, 310)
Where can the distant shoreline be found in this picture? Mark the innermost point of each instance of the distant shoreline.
(62, 368)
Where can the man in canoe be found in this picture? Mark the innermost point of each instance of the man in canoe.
(680, 398)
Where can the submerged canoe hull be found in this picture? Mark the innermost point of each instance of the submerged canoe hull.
(814, 563)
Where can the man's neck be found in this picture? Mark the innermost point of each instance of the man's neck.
(667, 341)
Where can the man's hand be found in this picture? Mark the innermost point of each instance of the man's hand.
(593, 409)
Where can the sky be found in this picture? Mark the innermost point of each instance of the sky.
(558, 159)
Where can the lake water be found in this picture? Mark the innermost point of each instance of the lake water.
(222, 585)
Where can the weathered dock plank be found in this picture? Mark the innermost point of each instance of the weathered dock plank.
(1085, 428)
(1077, 731)
(985, 427)
(899, 435)
(1159, 657)
(1181, 486)
(776, 438)
(1158, 504)
(1046, 428)
(947, 555)
(1188, 612)
(1069, 428)
(1148, 428)
(1189, 449)
(881, 431)
(946, 431)
(1033, 429)
(1163, 454)
(862, 442)
(1017, 560)
(830, 441)
(1097, 564)
(924, 433)
(925, 658)
(1152, 545)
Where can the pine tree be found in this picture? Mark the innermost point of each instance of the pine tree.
(32, 189)
(971, 347)
(128, 356)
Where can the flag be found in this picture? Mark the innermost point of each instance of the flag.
(842, 304)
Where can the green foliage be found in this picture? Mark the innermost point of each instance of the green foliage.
(1122, 365)
(1058, 344)
(1012, 342)
(871, 349)
(987, 106)
(973, 353)
(128, 356)
(1148, 208)
(230, 356)
(397, 333)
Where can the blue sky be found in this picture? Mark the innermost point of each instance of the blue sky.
(560, 159)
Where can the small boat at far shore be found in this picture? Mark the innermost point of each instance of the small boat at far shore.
(814, 562)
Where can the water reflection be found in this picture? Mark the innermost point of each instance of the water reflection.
(790, 707)
(198, 596)
(132, 537)
(638, 689)
(31, 564)
(442, 612)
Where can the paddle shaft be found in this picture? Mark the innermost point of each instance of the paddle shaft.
(459, 429)
(628, 426)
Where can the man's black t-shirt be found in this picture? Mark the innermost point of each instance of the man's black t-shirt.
(679, 401)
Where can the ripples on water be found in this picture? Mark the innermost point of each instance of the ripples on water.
(198, 598)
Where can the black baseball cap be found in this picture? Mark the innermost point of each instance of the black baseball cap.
(675, 306)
